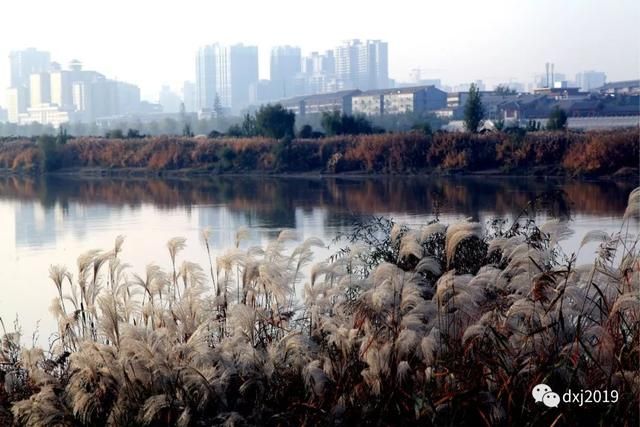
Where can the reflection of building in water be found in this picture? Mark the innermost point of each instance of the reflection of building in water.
(38, 225)
(224, 222)
(35, 225)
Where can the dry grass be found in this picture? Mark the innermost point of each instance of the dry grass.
(593, 153)
(436, 341)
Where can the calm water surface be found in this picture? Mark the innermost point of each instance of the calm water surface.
(54, 220)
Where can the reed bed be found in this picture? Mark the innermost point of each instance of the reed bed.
(596, 153)
(443, 325)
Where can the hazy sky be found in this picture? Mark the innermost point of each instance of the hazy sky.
(152, 43)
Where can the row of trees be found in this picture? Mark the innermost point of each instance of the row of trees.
(274, 121)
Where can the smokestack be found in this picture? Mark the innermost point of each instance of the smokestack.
(547, 68)
(553, 79)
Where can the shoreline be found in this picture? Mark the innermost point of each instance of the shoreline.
(622, 175)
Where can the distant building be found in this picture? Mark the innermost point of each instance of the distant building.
(61, 82)
(416, 79)
(206, 77)
(464, 87)
(559, 92)
(128, 98)
(316, 63)
(39, 88)
(264, 91)
(417, 99)
(25, 62)
(77, 95)
(590, 80)
(285, 66)
(514, 86)
(189, 96)
(326, 102)
(46, 114)
(628, 87)
(17, 102)
(169, 100)
(236, 72)
(362, 65)
(369, 103)
(4, 115)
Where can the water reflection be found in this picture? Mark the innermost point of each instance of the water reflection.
(53, 220)
(274, 199)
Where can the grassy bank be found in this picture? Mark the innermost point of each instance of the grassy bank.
(610, 153)
(441, 325)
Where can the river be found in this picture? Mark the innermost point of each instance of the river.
(55, 219)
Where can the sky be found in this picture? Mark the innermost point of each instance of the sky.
(152, 43)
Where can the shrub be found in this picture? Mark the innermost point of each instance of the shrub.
(604, 153)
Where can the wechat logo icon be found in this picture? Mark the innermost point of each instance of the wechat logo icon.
(543, 393)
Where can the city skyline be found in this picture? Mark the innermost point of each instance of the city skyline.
(456, 43)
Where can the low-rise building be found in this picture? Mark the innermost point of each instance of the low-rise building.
(416, 99)
(369, 103)
(326, 102)
(46, 114)
(628, 87)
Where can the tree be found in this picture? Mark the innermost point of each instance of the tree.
(275, 121)
(557, 119)
(51, 153)
(249, 127)
(423, 127)
(186, 131)
(217, 107)
(335, 123)
(305, 132)
(62, 137)
(235, 131)
(473, 110)
(114, 134)
(134, 134)
(214, 134)
(504, 90)
(331, 123)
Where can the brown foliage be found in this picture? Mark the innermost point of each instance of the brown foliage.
(604, 153)
(592, 153)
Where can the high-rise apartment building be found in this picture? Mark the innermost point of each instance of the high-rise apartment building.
(318, 73)
(285, 67)
(226, 74)
(189, 96)
(40, 89)
(589, 80)
(17, 102)
(25, 62)
(317, 63)
(237, 73)
(362, 65)
(169, 100)
(61, 83)
(206, 77)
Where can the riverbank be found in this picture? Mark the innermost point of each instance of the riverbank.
(611, 154)
(624, 174)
